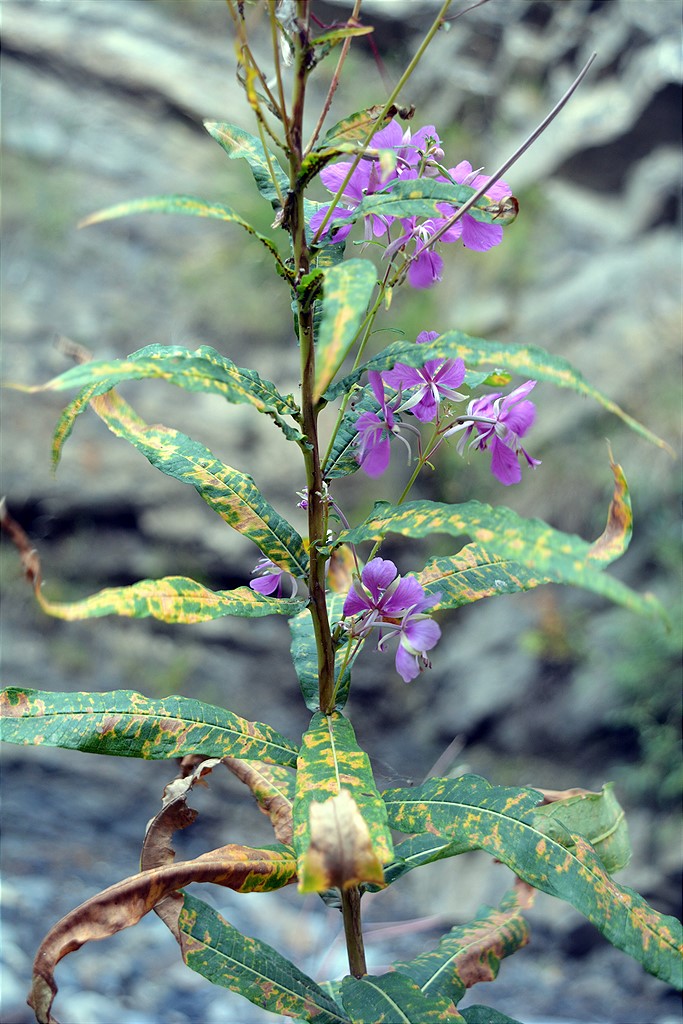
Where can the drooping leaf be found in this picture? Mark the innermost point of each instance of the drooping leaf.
(597, 817)
(394, 999)
(233, 495)
(472, 815)
(471, 953)
(219, 952)
(204, 370)
(272, 787)
(171, 599)
(123, 723)
(347, 291)
(477, 572)
(192, 206)
(553, 556)
(305, 655)
(330, 761)
(239, 144)
(124, 904)
(526, 360)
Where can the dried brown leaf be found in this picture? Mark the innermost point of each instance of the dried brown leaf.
(268, 784)
(238, 867)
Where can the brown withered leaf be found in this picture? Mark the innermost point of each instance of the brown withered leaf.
(30, 561)
(238, 867)
(174, 815)
(340, 854)
(272, 788)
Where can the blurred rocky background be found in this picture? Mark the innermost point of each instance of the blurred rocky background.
(103, 100)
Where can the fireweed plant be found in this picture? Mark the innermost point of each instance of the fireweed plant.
(335, 834)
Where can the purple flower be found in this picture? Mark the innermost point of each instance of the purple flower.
(396, 605)
(374, 431)
(271, 579)
(473, 233)
(498, 423)
(430, 384)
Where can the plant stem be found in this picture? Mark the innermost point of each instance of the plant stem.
(317, 507)
(353, 931)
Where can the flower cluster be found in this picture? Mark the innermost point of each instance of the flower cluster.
(395, 605)
(493, 422)
(399, 156)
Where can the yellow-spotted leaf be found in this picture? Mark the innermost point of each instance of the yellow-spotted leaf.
(471, 953)
(123, 723)
(240, 145)
(347, 291)
(470, 814)
(193, 207)
(204, 370)
(395, 999)
(477, 572)
(527, 360)
(124, 904)
(215, 949)
(272, 787)
(330, 761)
(547, 555)
(233, 495)
(170, 599)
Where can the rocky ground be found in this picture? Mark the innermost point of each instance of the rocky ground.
(103, 100)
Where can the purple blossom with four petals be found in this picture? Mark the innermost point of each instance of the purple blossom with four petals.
(374, 431)
(474, 234)
(430, 384)
(509, 418)
(396, 605)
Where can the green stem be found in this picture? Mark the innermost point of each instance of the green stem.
(317, 506)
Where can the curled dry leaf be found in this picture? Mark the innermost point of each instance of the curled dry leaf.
(238, 867)
(174, 815)
(340, 854)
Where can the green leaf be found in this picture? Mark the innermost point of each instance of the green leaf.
(394, 999)
(553, 556)
(487, 1015)
(526, 360)
(342, 460)
(477, 572)
(305, 655)
(598, 817)
(188, 205)
(422, 197)
(239, 144)
(233, 495)
(356, 127)
(171, 599)
(472, 815)
(219, 952)
(123, 723)
(204, 370)
(347, 291)
(471, 953)
(330, 761)
(337, 35)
